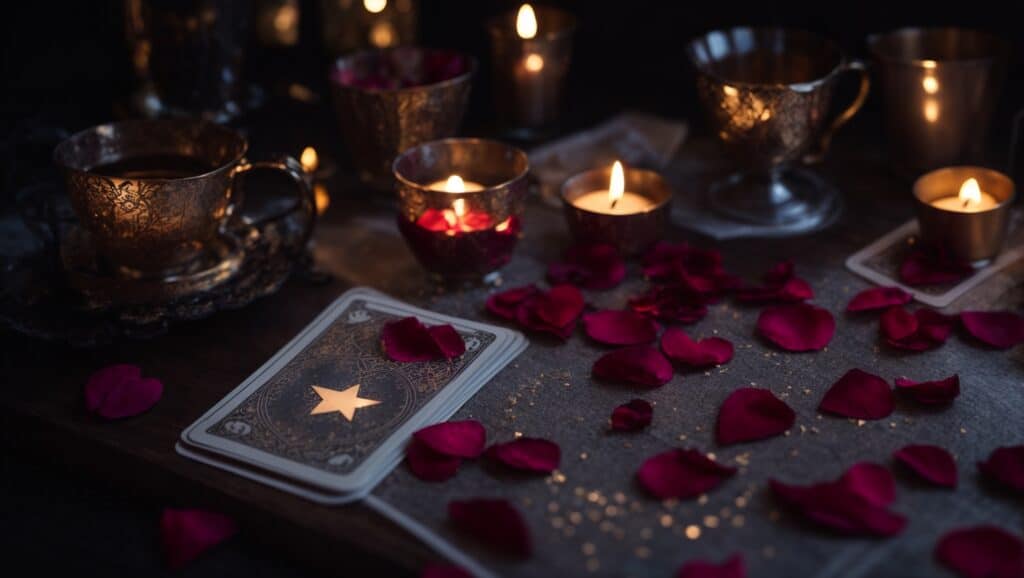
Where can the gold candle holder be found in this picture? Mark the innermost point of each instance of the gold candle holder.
(967, 218)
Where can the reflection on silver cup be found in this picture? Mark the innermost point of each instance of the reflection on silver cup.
(939, 88)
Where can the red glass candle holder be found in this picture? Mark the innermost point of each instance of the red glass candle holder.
(467, 234)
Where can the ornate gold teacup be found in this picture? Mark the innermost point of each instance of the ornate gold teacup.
(153, 193)
(768, 92)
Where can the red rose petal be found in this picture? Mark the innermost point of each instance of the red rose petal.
(444, 571)
(120, 391)
(678, 346)
(554, 311)
(639, 365)
(925, 265)
(731, 568)
(494, 522)
(750, 414)
(898, 323)
(463, 439)
(590, 266)
(860, 395)
(1006, 466)
(429, 465)
(870, 481)
(529, 454)
(937, 392)
(632, 416)
(671, 304)
(407, 340)
(620, 327)
(780, 286)
(506, 303)
(185, 534)
(877, 298)
(681, 474)
(799, 327)
(982, 552)
(919, 331)
(665, 260)
(931, 463)
(1000, 329)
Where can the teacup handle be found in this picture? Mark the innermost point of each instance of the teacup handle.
(862, 94)
(304, 192)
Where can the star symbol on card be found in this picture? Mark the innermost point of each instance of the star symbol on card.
(345, 402)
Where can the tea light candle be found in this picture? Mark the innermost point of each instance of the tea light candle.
(614, 200)
(965, 209)
(455, 184)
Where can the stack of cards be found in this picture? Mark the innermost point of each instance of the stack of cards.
(329, 415)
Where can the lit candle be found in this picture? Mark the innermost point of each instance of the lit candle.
(970, 199)
(455, 184)
(309, 160)
(615, 200)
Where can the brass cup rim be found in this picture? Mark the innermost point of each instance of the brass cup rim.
(999, 47)
(571, 189)
(457, 79)
(469, 141)
(1005, 193)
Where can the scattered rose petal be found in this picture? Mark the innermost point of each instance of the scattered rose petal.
(877, 298)
(925, 265)
(859, 395)
(506, 303)
(931, 463)
(639, 365)
(678, 346)
(982, 552)
(671, 304)
(444, 571)
(463, 439)
(898, 323)
(429, 465)
(856, 503)
(554, 311)
(1000, 329)
(681, 474)
(185, 534)
(919, 331)
(494, 522)
(632, 416)
(731, 568)
(1006, 466)
(529, 454)
(750, 414)
(667, 262)
(589, 266)
(780, 286)
(620, 327)
(799, 327)
(120, 391)
(937, 392)
(407, 340)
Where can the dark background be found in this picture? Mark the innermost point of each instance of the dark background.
(65, 65)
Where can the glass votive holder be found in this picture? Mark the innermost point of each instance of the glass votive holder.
(460, 204)
(531, 49)
(389, 100)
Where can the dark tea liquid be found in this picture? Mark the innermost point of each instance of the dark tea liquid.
(154, 167)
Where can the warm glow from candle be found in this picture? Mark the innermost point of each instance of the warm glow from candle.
(309, 159)
(323, 198)
(930, 84)
(617, 185)
(970, 193)
(534, 63)
(455, 184)
(375, 6)
(526, 22)
(459, 206)
(931, 110)
(382, 34)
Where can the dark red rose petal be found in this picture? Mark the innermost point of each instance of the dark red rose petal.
(185, 534)
(639, 365)
(934, 325)
(931, 463)
(877, 298)
(750, 414)
(678, 346)
(429, 465)
(408, 340)
(448, 341)
(463, 439)
(860, 395)
(671, 304)
(799, 327)
(632, 416)
(925, 265)
(898, 323)
(919, 331)
(620, 327)
(120, 391)
(937, 392)
(780, 286)
(1000, 329)
(665, 260)
(731, 568)
(1006, 466)
(590, 266)
(506, 303)
(444, 571)
(681, 474)
(496, 523)
(870, 481)
(529, 454)
(982, 552)
(553, 312)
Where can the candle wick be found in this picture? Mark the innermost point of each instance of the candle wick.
(967, 201)
(615, 200)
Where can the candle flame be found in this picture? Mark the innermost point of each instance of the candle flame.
(526, 22)
(534, 63)
(617, 186)
(970, 193)
(322, 197)
(375, 6)
(459, 206)
(455, 184)
(309, 159)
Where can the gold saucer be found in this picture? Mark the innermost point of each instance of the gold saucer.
(102, 286)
